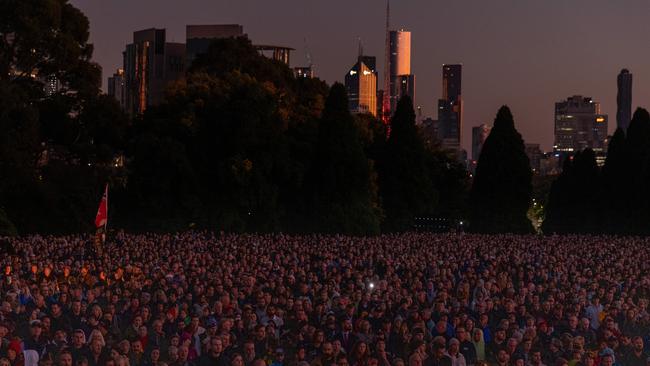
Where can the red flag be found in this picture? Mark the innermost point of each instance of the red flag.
(102, 213)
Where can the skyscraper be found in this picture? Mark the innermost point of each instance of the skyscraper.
(450, 108)
(479, 135)
(534, 154)
(385, 92)
(361, 84)
(624, 100)
(580, 125)
(52, 85)
(401, 79)
(150, 63)
(116, 87)
(198, 37)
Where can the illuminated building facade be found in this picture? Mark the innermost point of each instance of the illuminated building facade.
(401, 80)
(450, 108)
(361, 85)
(150, 63)
(580, 125)
(52, 85)
(116, 87)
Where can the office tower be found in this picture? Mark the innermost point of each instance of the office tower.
(479, 135)
(534, 154)
(450, 108)
(385, 92)
(401, 79)
(429, 130)
(116, 87)
(405, 86)
(361, 85)
(624, 100)
(52, 85)
(150, 63)
(580, 125)
(198, 37)
(398, 79)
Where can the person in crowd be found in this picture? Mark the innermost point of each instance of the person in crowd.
(202, 298)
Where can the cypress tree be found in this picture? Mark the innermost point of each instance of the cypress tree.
(341, 174)
(638, 172)
(575, 197)
(502, 188)
(404, 181)
(614, 185)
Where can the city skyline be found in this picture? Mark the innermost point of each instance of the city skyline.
(512, 54)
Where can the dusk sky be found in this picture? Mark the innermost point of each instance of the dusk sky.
(527, 54)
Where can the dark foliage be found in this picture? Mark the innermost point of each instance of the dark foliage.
(239, 144)
(502, 189)
(405, 183)
(574, 199)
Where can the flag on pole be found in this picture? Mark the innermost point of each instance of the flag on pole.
(102, 212)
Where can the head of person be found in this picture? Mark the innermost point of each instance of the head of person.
(216, 346)
(65, 358)
(249, 351)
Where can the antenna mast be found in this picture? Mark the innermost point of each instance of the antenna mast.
(387, 92)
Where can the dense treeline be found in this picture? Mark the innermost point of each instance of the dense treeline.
(239, 144)
(242, 145)
(613, 200)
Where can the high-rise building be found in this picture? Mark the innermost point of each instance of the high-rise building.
(579, 124)
(534, 154)
(385, 92)
(150, 63)
(116, 87)
(198, 37)
(52, 85)
(429, 130)
(479, 135)
(401, 79)
(361, 85)
(450, 108)
(405, 86)
(624, 100)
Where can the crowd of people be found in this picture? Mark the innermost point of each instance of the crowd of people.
(416, 299)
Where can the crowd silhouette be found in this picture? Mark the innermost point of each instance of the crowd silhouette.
(198, 298)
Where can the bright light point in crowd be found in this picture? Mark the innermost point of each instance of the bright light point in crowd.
(372, 285)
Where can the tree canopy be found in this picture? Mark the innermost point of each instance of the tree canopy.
(502, 188)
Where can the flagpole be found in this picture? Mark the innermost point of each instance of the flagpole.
(101, 222)
(106, 224)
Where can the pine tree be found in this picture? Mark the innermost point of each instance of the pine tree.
(502, 188)
(341, 173)
(404, 180)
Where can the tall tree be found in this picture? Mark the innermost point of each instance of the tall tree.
(637, 167)
(46, 38)
(575, 197)
(615, 179)
(341, 174)
(405, 183)
(502, 188)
